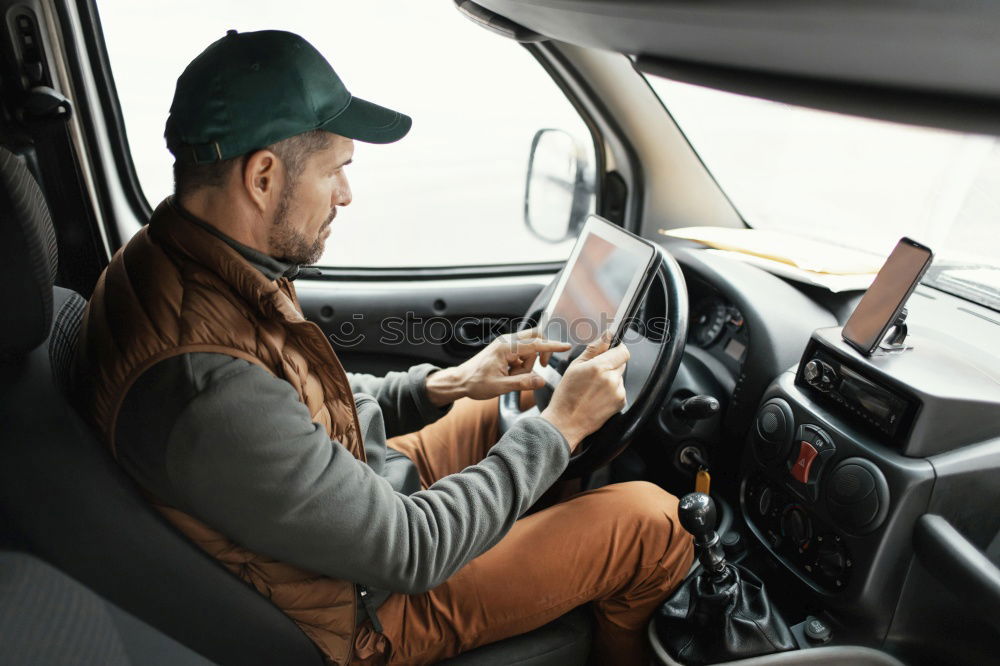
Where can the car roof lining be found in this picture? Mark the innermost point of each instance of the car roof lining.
(914, 61)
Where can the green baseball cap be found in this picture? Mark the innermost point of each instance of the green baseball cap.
(251, 89)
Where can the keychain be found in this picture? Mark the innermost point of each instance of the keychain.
(702, 480)
(692, 456)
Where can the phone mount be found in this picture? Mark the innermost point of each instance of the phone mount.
(895, 338)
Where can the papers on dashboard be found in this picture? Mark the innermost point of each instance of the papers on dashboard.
(829, 281)
(786, 255)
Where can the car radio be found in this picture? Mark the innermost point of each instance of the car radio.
(833, 381)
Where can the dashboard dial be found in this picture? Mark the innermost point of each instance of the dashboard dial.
(708, 320)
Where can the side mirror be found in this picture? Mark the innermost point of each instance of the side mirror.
(560, 188)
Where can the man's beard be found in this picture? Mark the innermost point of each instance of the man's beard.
(287, 243)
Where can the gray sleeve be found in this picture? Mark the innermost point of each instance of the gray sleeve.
(245, 457)
(402, 397)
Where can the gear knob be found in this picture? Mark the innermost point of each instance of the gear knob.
(698, 516)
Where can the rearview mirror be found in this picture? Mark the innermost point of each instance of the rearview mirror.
(559, 190)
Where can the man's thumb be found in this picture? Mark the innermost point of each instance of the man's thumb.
(597, 347)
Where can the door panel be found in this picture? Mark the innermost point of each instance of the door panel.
(379, 326)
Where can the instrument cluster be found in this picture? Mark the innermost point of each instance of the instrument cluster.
(717, 326)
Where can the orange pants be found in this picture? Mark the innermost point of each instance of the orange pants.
(620, 547)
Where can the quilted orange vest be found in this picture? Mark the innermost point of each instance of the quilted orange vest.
(174, 289)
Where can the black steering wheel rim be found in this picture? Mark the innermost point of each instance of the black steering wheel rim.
(615, 435)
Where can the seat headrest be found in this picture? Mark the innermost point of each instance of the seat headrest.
(28, 258)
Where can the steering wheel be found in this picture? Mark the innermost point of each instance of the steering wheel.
(655, 356)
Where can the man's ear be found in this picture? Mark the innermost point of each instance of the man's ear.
(262, 174)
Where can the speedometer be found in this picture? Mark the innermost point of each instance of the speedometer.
(708, 319)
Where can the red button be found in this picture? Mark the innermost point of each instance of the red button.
(800, 470)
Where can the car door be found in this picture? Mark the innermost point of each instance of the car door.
(432, 259)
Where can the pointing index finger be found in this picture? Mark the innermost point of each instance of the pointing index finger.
(538, 345)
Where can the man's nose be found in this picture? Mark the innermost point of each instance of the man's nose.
(342, 195)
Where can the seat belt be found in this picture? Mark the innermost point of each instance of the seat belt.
(46, 115)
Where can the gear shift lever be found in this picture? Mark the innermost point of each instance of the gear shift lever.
(698, 516)
(721, 613)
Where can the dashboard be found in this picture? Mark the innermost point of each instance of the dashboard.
(745, 326)
(831, 458)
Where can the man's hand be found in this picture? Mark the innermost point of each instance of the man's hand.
(591, 390)
(503, 366)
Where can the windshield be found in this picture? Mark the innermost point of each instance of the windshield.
(851, 181)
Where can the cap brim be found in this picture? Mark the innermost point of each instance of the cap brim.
(364, 121)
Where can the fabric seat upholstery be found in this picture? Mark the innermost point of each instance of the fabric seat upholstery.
(68, 307)
(48, 618)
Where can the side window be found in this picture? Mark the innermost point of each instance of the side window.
(452, 193)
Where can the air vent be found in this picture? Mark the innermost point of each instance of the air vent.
(857, 495)
(775, 426)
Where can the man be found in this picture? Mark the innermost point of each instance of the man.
(234, 415)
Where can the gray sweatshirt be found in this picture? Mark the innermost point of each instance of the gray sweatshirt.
(229, 443)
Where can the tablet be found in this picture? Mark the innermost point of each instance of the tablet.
(605, 278)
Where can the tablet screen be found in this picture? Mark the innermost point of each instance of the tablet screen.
(604, 272)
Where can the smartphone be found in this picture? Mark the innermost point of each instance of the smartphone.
(887, 295)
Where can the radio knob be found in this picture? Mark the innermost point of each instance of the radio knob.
(819, 375)
(812, 372)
